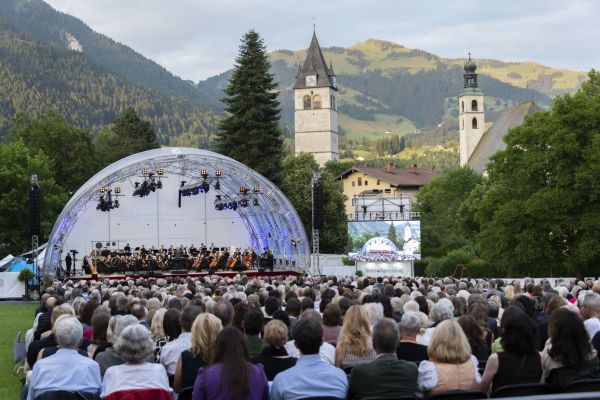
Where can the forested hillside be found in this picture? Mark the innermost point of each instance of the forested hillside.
(36, 77)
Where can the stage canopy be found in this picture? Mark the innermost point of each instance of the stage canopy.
(202, 197)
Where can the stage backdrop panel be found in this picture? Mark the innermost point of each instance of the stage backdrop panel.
(10, 287)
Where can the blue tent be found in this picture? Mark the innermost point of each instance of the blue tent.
(19, 265)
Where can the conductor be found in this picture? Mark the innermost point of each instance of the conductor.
(68, 262)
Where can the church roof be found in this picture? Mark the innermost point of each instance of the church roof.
(406, 177)
(314, 65)
(492, 140)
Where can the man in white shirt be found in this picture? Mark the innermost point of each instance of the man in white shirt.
(66, 369)
(326, 351)
(589, 311)
(169, 355)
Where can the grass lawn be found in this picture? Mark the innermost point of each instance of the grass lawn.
(14, 317)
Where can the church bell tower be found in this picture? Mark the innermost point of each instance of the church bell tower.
(315, 111)
(470, 113)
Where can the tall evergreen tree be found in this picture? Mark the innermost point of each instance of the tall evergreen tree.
(392, 234)
(251, 133)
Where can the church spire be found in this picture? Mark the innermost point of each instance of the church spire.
(470, 75)
(315, 68)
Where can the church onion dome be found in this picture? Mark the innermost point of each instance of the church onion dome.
(470, 66)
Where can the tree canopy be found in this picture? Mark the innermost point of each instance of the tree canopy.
(250, 134)
(298, 172)
(18, 164)
(70, 149)
(541, 212)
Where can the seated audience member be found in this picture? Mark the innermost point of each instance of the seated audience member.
(223, 310)
(568, 355)
(332, 320)
(44, 320)
(590, 311)
(99, 343)
(326, 351)
(311, 376)
(519, 362)
(253, 325)
(273, 356)
(35, 349)
(553, 303)
(386, 377)
(292, 308)
(451, 365)
(272, 304)
(139, 311)
(134, 345)
(231, 375)
(165, 328)
(205, 330)
(169, 355)
(109, 357)
(67, 369)
(355, 345)
(408, 349)
(475, 335)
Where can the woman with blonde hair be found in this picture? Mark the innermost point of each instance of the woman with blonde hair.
(205, 330)
(273, 356)
(355, 345)
(451, 365)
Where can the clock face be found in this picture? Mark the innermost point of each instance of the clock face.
(311, 80)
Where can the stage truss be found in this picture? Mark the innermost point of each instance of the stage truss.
(273, 223)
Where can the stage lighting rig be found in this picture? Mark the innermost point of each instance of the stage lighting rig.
(108, 200)
(152, 182)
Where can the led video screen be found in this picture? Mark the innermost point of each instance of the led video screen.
(384, 241)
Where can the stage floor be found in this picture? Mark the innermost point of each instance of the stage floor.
(224, 274)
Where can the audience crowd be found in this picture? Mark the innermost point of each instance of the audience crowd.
(299, 337)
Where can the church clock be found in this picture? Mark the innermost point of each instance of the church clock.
(311, 80)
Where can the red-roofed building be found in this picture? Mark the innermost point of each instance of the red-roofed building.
(390, 181)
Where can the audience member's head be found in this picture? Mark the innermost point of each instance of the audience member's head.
(205, 330)
(276, 334)
(134, 343)
(308, 336)
(449, 344)
(385, 336)
(224, 311)
(253, 322)
(68, 332)
(188, 315)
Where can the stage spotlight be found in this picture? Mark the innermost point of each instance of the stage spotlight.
(218, 185)
(145, 171)
(160, 171)
(203, 173)
(102, 189)
(117, 189)
(243, 190)
(256, 189)
(218, 172)
(255, 202)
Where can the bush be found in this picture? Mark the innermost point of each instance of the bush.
(421, 267)
(25, 275)
(359, 273)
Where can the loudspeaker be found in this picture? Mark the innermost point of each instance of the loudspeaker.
(34, 210)
(318, 200)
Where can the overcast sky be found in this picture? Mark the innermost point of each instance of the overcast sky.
(196, 39)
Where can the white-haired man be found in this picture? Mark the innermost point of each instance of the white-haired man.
(67, 369)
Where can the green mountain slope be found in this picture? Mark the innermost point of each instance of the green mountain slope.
(385, 87)
(41, 21)
(35, 77)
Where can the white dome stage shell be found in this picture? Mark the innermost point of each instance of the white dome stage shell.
(157, 219)
(378, 244)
